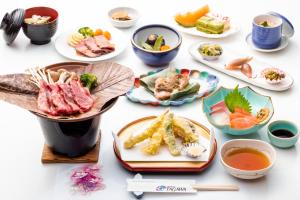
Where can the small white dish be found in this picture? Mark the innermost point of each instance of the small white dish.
(284, 43)
(193, 150)
(206, 57)
(259, 145)
(132, 13)
(63, 48)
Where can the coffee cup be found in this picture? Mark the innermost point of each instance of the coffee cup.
(267, 31)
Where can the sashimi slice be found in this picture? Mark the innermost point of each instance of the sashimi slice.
(219, 107)
(242, 123)
(220, 118)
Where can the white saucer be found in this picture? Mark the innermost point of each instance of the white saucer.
(283, 44)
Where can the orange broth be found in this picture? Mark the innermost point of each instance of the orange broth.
(246, 159)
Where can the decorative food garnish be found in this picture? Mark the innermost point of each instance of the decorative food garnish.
(235, 111)
(169, 85)
(262, 114)
(61, 92)
(210, 51)
(87, 179)
(163, 130)
(235, 99)
(155, 42)
(189, 19)
(193, 150)
(89, 80)
(265, 24)
(86, 32)
(273, 75)
(37, 19)
(91, 43)
(121, 16)
(220, 18)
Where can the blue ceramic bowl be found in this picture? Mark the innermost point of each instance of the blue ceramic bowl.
(267, 37)
(279, 141)
(256, 100)
(156, 58)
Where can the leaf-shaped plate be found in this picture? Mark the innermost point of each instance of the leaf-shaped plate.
(113, 80)
(207, 81)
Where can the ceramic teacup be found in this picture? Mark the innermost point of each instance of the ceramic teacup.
(267, 31)
(283, 142)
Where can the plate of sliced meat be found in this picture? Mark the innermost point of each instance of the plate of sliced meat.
(86, 44)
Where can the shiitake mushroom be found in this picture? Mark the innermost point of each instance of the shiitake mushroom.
(152, 39)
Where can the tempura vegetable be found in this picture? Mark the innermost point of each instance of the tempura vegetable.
(168, 135)
(154, 144)
(184, 129)
(133, 140)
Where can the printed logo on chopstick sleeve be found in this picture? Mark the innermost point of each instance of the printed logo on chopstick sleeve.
(170, 188)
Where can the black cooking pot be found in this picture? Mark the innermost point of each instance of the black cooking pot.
(73, 138)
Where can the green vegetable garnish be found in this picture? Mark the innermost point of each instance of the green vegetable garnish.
(264, 24)
(89, 80)
(158, 43)
(146, 46)
(86, 31)
(235, 99)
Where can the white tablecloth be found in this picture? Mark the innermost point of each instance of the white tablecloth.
(23, 176)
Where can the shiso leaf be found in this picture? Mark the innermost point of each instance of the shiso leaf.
(235, 99)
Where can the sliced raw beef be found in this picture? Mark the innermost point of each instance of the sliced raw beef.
(58, 100)
(68, 96)
(43, 100)
(84, 50)
(81, 96)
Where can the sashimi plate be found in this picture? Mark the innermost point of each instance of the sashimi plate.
(63, 48)
(208, 83)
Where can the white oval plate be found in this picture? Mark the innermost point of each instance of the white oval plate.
(284, 43)
(193, 31)
(63, 48)
(257, 66)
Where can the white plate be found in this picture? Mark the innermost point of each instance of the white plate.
(193, 31)
(257, 66)
(284, 43)
(63, 48)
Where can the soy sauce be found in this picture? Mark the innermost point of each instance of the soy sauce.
(282, 133)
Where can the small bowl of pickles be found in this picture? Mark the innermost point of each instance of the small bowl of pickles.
(210, 51)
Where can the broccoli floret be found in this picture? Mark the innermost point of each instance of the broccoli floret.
(86, 32)
(89, 80)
